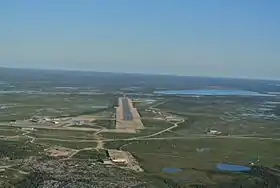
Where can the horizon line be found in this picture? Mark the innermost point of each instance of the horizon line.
(140, 73)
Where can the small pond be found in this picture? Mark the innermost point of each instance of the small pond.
(232, 168)
(172, 170)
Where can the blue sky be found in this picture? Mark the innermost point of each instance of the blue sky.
(237, 38)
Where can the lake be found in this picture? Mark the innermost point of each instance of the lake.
(232, 168)
(215, 92)
(171, 170)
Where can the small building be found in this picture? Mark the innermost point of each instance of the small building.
(79, 122)
(118, 156)
(214, 132)
(55, 122)
(13, 122)
(119, 160)
(107, 162)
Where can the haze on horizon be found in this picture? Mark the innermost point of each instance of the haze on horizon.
(182, 37)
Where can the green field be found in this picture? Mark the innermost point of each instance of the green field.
(184, 154)
(108, 124)
(23, 106)
(63, 134)
(67, 144)
(117, 144)
(9, 132)
(86, 126)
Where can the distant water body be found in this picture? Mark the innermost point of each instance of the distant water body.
(212, 92)
(232, 168)
(171, 170)
(50, 93)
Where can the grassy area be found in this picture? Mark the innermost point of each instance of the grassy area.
(9, 132)
(22, 106)
(108, 124)
(196, 165)
(109, 135)
(63, 134)
(86, 126)
(201, 124)
(67, 144)
(210, 106)
(219, 150)
(116, 144)
(156, 124)
(7, 126)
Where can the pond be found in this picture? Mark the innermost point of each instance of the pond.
(232, 168)
(216, 92)
(172, 170)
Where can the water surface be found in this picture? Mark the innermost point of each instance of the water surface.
(212, 92)
(232, 168)
(171, 170)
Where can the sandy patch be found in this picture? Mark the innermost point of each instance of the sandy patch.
(59, 152)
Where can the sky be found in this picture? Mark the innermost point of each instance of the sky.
(239, 38)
